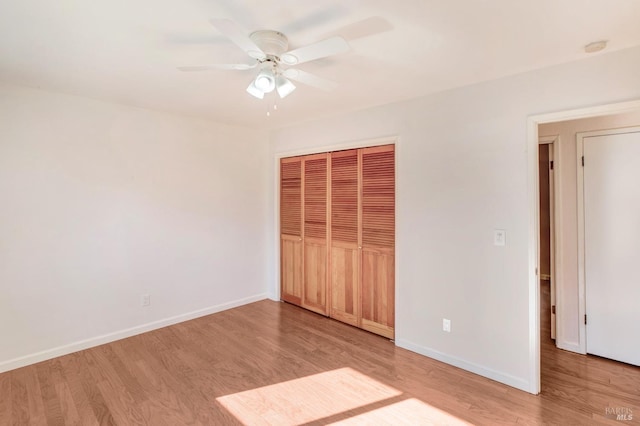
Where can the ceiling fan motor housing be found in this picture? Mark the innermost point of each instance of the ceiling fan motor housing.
(271, 42)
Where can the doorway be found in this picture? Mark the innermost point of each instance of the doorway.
(570, 298)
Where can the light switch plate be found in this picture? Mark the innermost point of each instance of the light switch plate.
(499, 237)
(446, 325)
(145, 300)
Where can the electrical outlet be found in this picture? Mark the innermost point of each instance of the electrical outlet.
(499, 237)
(145, 299)
(446, 325)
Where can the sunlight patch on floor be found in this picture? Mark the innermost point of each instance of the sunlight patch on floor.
(409, 412)
(306, 399)
(327, 397)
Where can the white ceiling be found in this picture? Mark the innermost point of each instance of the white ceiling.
(127, 51)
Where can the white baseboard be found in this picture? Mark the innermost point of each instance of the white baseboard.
(507, 379)
(23, 361)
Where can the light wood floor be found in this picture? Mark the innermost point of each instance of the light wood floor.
(273, 363)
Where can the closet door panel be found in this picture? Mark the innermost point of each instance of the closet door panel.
(345, 297)
(378, 197)
(378, 240)
(291, 266)
(378, 295)
(314, 294)
(315, 277)
(291, 269)
(338, 235)
(345, 256)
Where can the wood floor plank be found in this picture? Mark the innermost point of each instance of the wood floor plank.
(28, 407)
(89, 386)
(166, 406)
(236, 366)
(5, 399)
(74, 390)
(20, 413)
(51, 401)
(115, 394)
(68, 410)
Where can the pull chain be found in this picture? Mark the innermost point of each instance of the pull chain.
(275, 108)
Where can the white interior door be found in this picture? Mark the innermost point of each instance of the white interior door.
(611, 207)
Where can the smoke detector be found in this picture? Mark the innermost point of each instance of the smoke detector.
(596, 46)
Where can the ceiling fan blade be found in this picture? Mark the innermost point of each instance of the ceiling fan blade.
(238, 36)
(321, 49)
(310, 79)
(218, 67)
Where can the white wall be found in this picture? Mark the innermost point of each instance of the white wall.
(100, 203)
(569, 321)
(462, 166)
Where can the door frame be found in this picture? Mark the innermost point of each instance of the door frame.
(554, 218)
(534, 209)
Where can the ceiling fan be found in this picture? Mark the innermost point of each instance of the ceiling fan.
(269, 49)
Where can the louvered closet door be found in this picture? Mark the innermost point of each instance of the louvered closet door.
(345, 261)
(378, 240)
(315, 233)
(291, 230)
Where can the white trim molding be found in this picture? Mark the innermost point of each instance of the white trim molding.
(516, 382)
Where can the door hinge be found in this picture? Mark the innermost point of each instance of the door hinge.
(583, 161)
(553, 309)
(585, 319)
(551, 165)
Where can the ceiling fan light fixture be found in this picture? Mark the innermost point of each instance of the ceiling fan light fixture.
(284, 86)
(254, 91)
(265, 80)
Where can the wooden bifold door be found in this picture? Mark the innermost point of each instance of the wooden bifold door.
(337, 235)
